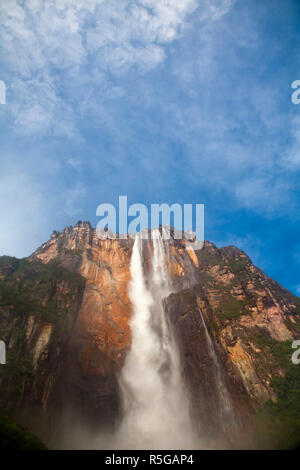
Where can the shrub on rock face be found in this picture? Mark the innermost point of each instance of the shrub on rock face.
(279, 422)
(16, 437)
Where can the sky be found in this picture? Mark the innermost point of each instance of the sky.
(162, 101)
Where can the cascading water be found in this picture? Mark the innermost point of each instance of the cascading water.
(226, 411)
(225, 407)
(156, 411)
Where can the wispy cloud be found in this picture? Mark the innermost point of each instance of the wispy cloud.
(268, 196)
(45, 45)
(23, 214)
(162, 100)
(292, 156)
(74, 200)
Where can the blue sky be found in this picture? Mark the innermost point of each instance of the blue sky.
(160, 100)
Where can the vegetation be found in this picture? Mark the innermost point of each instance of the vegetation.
(46, 292)
(13, 436)
(231, 308)
(237, 265)
(296, 325)
(30, 288)
(77, 251)
(297, 303)
(206, 259)
(187, 296)
(206, 280)
(279, 422)
(278, 351)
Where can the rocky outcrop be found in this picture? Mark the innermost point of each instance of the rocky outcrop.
(39, 306)
(71, 333)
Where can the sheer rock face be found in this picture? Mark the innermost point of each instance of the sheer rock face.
(75, 363)
(102, 323)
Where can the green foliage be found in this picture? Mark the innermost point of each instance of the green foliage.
(232, 308)
(77, 251)
(206, 280)
(279, 422)
(19, 364)
(213, 325)
(24, 303)
(16, 437)
(7, 260)
(187, 296)
(237, 265)
(46, 292)
(206, 259)
(288, 390)
(280, 350)
(297, 303)
(296, 325)
(30, 288)
(9, 295)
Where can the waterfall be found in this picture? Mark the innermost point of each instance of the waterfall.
(226, 411)
(225, 406)
(156, 411)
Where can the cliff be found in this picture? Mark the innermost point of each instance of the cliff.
(64, 315)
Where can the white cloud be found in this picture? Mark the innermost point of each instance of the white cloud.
(265, 195)
(214, 9)
(48, 45)
(34, 200)
(22, 215)
(292, 157)
(74, 162)
(73, 200)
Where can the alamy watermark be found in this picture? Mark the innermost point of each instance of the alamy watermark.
(296, 354)
(2, 92)
(2, 352)
(296, 94)
(160, 214)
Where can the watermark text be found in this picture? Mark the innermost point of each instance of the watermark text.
(296, 354)
(2, 92)
(296, 94)
(2, 352)
(188, 221)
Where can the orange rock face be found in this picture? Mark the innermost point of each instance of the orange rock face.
(241, 307)
(105, 311)
(101, 327)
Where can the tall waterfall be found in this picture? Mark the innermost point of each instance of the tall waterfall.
(225, 405)
(156, 411)
(225, 408)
